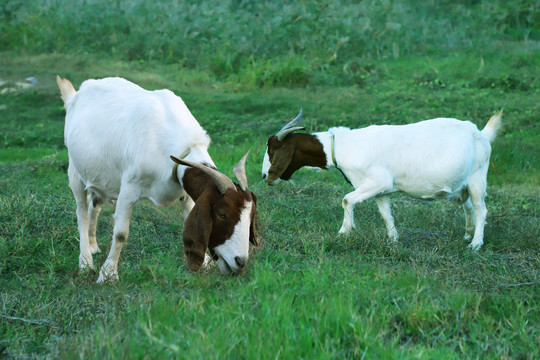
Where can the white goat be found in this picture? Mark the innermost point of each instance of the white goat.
(119, 139)
(431, 159)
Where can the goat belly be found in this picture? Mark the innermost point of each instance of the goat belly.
(433, 193)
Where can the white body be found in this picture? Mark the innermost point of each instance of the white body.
(119, 138)
(118, 133)
(431, 159)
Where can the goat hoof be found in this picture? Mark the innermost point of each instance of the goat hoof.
(86, 267)
(107, 278)
(86, 263)
(108, 273)
(344, 230)
(475, 247)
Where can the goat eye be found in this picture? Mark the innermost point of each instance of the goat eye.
(222, 215)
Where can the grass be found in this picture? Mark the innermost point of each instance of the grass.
(267, 43)
(307, 292)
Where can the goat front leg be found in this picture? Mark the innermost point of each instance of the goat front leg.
(124, 207)
(366, 190)
(348, 216)
(383, 202)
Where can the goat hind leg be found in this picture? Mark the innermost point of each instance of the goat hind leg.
(478, 193)
(469, 219)
(79, 192)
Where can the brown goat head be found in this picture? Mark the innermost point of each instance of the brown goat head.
(287, 152)
(222, 220)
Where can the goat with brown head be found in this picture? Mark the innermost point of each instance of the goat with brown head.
(119, 138)
(222, 219)
(435, 158)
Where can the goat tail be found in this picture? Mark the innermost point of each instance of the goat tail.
(66, 89)
(493, 125)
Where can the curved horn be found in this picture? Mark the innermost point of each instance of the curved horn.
(290, 127)
(222, 181)
(240, 172)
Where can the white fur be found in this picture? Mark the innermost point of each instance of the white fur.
(119, 138)
(235, 248)
(430, 159)
(266, 164)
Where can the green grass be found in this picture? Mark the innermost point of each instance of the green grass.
(307, 293)
(267, 43)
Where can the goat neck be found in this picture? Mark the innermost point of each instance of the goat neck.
(328, 142)
(198, 155)
(309, 151)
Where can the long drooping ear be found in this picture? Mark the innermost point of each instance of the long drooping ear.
(281, 160)
(197, 230)
(252, 234)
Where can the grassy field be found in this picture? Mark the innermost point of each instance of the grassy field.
(307, 293)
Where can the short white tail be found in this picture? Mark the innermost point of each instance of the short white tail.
(493, 125)
(67, 90)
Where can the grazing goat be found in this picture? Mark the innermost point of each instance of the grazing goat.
(119, 139)
(438, 158)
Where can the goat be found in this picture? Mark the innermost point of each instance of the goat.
(119, 138)
(430, 159)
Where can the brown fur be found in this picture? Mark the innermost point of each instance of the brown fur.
(252, 230)
(212, 220)
(294, 152)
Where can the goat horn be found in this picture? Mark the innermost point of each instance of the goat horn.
(222, 181)
(240, 172)
(290, 127)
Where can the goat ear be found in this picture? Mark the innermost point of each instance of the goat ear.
(197, 229)
(281, 161)
(252, 235)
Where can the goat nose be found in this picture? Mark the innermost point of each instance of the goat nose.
(240, 261)
(264, 176)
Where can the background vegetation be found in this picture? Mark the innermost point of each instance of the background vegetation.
(268, 43)
(245, 68)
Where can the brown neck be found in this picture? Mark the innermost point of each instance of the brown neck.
(309, 151)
